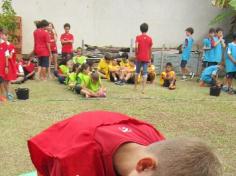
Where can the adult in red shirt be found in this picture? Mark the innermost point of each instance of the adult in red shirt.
(67, 40)
(42, 48)
(103, 143)
(143, 50)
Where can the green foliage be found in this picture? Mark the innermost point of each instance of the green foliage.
(8, 16)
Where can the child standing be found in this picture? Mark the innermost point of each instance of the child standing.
(53, 45)
(208, 47)
(187, 49)
(42, 48)
(94, 87)
(168, 77)
(230, 63)
(67, 40)
(219, 45)
(143, 50)
(4, 65)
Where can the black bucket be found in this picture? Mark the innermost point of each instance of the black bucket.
(22, 93)
(215, 91)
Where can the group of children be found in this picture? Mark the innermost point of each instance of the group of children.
(218, 57)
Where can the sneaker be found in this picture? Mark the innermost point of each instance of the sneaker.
(231, 91)
(3, 99)
(192, 75)
(10, 97)
(225, 89)
(184, 78)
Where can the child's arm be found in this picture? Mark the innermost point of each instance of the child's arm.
(7, 55)
(230, 56)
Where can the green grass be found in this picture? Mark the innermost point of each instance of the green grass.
(187, 111)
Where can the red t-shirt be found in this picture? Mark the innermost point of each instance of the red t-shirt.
(3, 49)
(12, 71)
(68, 47)
(53, 44)
(144, 47)
(84, 144)
(41, 39)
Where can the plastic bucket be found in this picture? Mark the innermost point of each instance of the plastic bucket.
(215, 91)
(22, 93)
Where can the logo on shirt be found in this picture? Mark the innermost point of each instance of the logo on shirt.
(125, 129)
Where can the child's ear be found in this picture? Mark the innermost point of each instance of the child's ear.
(146, 164)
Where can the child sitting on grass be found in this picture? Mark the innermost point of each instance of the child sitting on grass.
(103, 66)
(209, 76)
(94, 88)
(128, 73)
(79, 58)
(114, 70)
(29, 69)
(72, 77)
(168, 77)
(20, 73)
(151, 73)
(64, 69)
(83, 77)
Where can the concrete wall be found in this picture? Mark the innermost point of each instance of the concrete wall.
(115, 22)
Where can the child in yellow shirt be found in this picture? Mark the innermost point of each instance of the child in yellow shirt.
(151, 73)
(114, 71)
(168, 77)
(128, 73)
(103, 66)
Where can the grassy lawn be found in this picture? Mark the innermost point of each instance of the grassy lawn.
(187, 111)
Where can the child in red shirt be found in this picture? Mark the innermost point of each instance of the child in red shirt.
(103, 143)
(42, 48)
(4, 64)
(143, 50)
(53, 45)
(67, 40)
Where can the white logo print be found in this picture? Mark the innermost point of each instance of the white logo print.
(125, 129)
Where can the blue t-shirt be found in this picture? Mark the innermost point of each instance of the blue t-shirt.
(218, 51)
(230, 66)
(208, 54)
(208, 72)
(188, 44)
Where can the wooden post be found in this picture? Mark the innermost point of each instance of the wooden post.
(82, 46)
(162, 56)
(131, 46)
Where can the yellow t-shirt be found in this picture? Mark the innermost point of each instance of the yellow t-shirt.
(114, 67)
(131, 68)
(164, 74)
(124, 64)
(104, 67)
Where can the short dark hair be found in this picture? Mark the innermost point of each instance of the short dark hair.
(83, 67)
(125, 55)
(190, 30)
(44, 23)
(38, 24)
(212, 30)
(67, 25)
(144, 27)
(219, 29)
(169, 64)
(108, 56)
(234, 36)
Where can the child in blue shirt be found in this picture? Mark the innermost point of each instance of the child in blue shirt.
(208, 47)
(219, 46)
(230, 64)
(210, 75)
(187, 49)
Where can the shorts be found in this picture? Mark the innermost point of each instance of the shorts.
(141, 64)
(112, 78)
(67, 56)
(54, 52)
(204, 64)
(78, 88)
(44, 61)
(212, 63)
(1, 80)
(26, 73)
(131, 80)
(183, 63)
(231, 75)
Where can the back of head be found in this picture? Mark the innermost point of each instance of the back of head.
(234, 36)
(212, 30)
(144, 27)
(44, 23)
(185, 157)
(95, 76)
(108, 56)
